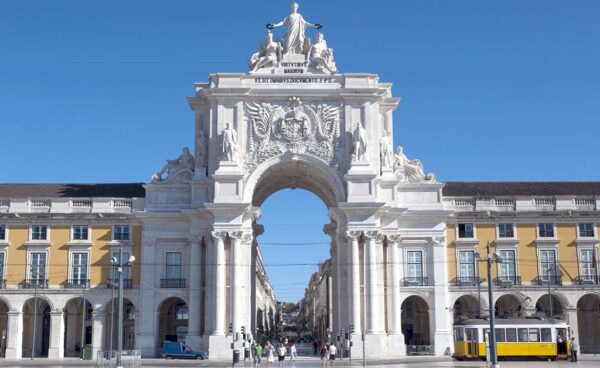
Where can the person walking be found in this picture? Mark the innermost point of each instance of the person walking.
(293, 351)
(258, 350)
(270, 354)
(281, 350)
(332, 354)
(574, 348)
(323, 353)
(315, 347)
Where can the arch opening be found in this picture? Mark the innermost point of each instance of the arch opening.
(3, 326)
(467, 307)
(36, 316)
(415, 321)
(588, 320)
(508, 306)
(172, 321)
(77, 323)
(558, 307)
(111, 325)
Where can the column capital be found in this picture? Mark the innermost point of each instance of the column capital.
(245, 237)
(438, 241)
(13, 313)
(98, 315)
(393, 238)
(372, 235)
(195, 240)
(219, 235)
(353, 234)
(56, 313)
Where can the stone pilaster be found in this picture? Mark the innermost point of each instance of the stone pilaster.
(14, 345)
(218, 328)
(442, 337)
(57, 335)
(194, 290)
(98, 319)
(354, 271)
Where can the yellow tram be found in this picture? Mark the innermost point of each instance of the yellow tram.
(515, 338)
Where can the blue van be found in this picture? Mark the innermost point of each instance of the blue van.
(178, 350)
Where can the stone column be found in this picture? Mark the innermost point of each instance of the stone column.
(395, 326)
(148, 317)
(219, 283)
(237, 289)
(57, 335)
(572, 320)
(97, 332)
(443, 318)
(194, 292)
(14, 345)
(354, 273)
(372, 290)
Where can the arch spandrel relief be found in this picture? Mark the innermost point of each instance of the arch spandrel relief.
(297, 126)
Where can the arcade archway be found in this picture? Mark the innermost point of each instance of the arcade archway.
(558, 306)
(508, 306)
(111, 325)
(77, 322)
(173, 319)
(467, 307)
(415, 321)
(4, 333)
(588, 320)
(36, 327)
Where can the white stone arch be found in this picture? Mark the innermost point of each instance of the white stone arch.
(42, 297)
(5, 300)
(423, 295)
(519, 295)
(294, 171)
(484, 302)
(564, 301)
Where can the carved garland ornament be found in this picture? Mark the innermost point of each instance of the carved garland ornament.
(295, 127)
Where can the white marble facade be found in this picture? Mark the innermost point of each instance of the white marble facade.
(292, 122)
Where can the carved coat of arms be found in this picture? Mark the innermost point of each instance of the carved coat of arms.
(296, 127)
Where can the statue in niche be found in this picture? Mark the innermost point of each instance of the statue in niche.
(184, 164)
(359, 143)
(229, 143)
(202, 148)
(410, 171)
(294, 39)
(385, 150)
(320, 57)
(269, 55)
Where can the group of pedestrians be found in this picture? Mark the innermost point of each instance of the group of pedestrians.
(327, 352)
(270, 351)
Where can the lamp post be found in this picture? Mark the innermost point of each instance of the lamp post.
(489, 259)
(119, 264)
(549, 271)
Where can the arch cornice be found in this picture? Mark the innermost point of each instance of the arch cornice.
(288, 170)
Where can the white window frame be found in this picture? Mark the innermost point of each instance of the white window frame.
(29, 257)
(80, 240)
(537, 230)
(72, 264)
(114, 233)
(580, 263)
(5, 240)
(127, 270)
(466, 239)
(475, 264)
(3, 264)
(181, 262)
(423, 269)
(586, 237)
(557, 272)
(516, 253)
(31, 239)
(514, 226)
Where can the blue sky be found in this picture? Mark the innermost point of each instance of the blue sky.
(94, 91)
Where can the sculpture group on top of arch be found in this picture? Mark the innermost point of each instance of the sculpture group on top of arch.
(294, 47)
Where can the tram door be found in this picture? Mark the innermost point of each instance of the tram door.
(472, 338)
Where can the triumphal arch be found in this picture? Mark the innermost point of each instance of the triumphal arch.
(294, 120)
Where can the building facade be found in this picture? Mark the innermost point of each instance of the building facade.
(403, 245)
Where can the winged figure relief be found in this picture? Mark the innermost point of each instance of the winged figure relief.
(328, 121)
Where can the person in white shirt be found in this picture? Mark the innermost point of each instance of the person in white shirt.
(293, 351)
(332, 353)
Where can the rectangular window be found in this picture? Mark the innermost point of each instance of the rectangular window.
(500, 335)
(506, 231)
(79, 268)
(466, 265)
(548, 269)
(121, 232)
(37, 266)
(465, 230)
(586, 264)
(511, 335)
(546, 335)
(173, 270)
(80, 232)
(414, 265)
(523, 335)
(534, 335)
(459, 334)
(507, 269)
(2, 232)
(126, 269)
(39, 232)
(181, 312)
(586, 230)
(546, 230)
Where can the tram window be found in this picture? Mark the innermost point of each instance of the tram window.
(500, 335)
(511, 335)
(486, 334)
(546, 335)
(459, 334)
(523, 335)
(534, 335)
